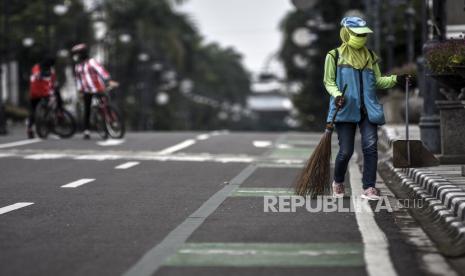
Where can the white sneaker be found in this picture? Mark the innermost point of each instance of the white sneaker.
(371, 194)
(86, 134)
(338, 190)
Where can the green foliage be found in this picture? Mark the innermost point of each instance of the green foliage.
(156, 29)
(441, 57)
(171, 39)
(50, 32)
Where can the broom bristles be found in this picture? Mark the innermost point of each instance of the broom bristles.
(314, 179)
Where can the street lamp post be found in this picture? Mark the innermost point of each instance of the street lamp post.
(390, 39)
(410, 27)
(3, 47)
(429, 120)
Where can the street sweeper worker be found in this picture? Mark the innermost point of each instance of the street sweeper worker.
(352, 63)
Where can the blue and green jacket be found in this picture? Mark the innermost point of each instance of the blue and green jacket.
(361, 88)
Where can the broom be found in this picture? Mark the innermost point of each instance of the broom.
(314, 179)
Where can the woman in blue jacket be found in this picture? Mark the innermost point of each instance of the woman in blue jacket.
(355, 65)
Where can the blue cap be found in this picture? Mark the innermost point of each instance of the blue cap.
(356, 25)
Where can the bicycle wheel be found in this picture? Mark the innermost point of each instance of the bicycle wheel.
(98, 122)
(64, 123)
(114, 123)
(42, 121)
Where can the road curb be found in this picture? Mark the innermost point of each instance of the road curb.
(442, 213)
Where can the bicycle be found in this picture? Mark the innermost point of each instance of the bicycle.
(52, 118)
(105, 117)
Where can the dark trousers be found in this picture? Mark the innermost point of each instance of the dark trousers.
(33, 103)
(87, 103)
(346, 137)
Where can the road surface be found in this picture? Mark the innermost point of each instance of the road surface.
(187, 203)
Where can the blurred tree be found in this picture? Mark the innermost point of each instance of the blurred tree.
(148, 46)
(42, 27)
(169, 42)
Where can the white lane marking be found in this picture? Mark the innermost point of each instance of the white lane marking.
(127, 165)
(40, 156)
(110, 142)
(13, 207)
(262, 144)
(78, 183)
(376, 246)
(6, 155)
(98, 157)
(178, 147)
(219, 132)
(202, 137)
(19, 143)
(284, 146)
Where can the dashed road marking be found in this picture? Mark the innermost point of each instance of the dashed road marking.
(202, 137)
(376, 245)
(127, 165)
(110, 142)
(262, 144)
(13, 207)
(178, 147)
(40, 156)
(78, 183)
(19, 143)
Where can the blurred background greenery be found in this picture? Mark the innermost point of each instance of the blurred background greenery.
(172, 79)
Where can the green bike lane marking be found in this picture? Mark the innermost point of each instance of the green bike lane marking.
(218, 254)
(260, 192)
(268, 255)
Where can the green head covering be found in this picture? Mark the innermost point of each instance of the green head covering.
(352, 50)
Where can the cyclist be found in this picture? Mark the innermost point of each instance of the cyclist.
(43, 84)
(91, 79)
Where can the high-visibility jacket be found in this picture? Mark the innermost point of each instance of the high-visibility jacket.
(360, 95)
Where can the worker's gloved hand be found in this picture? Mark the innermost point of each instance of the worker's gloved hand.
(339, 101)
(402, 79)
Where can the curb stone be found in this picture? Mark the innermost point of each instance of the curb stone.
(441, 189)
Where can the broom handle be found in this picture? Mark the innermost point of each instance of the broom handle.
(331, 125)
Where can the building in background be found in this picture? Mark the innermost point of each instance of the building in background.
(271, 103)
(455, 20)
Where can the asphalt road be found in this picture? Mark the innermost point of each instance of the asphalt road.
(186, 203)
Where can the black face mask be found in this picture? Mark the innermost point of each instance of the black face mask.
(46, 72)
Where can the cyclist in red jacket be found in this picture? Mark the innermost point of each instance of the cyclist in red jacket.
(43, 84)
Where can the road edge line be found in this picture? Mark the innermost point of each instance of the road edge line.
(376, 246)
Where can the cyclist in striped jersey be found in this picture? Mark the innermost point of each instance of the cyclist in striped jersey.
(91, 78)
